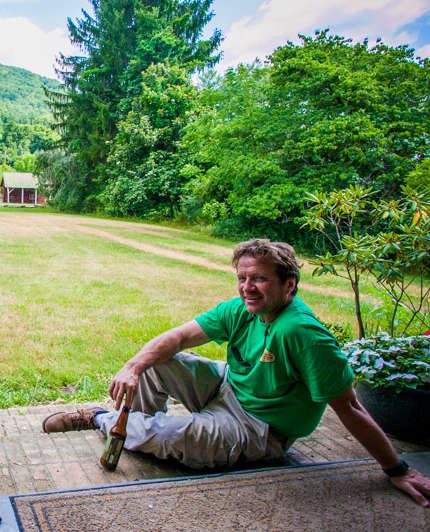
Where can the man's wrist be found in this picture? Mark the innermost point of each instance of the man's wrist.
(397, 471)
(135, 366)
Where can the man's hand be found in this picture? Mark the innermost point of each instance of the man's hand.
(365, 430)
(125, 383)
(415, 485)
(158, 350)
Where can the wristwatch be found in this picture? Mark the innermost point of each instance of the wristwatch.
(398, 470)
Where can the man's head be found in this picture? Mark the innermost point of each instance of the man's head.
(268, 274)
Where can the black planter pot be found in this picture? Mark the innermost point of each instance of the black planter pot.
(405, 414)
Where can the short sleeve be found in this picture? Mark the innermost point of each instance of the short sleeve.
(323, 367)
(214, 324)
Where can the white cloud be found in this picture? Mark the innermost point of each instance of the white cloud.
(24, 44)
(278, 21)
(424, 51)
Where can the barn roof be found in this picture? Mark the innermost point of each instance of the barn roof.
(19, 180)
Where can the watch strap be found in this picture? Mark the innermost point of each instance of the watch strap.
(398, 470)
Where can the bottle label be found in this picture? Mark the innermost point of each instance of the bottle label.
(113, 450)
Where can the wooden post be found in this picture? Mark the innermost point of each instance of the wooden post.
(35, 196)
(22, 195)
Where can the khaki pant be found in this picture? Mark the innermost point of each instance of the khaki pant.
(217, 432)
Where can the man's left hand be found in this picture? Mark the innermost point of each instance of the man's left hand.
(416, 485)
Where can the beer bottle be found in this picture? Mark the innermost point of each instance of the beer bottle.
(115, 441)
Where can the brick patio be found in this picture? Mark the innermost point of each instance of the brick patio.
(31, 461)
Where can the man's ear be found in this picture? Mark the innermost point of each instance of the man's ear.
(290, 286)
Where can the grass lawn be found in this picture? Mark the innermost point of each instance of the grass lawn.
(75, 305)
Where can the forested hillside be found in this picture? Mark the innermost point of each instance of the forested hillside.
(25, 118)
(22, 98)
(240, 151)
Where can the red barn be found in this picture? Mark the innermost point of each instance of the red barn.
(21, 188)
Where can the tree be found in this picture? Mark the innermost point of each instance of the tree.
(120, 40)
(144, 161)
(419, 178)
(396, 254)
(18, 140)
(320, 116)
(235, 178)
(339, 216)
(24, 163)
(89, 109)
(399, 258)
(60, 180)
(348, 122)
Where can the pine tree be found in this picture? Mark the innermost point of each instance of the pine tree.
(118, 42)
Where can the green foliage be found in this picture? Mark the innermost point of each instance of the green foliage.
(342, 332)
(399, 257)
(24, 163)
(122, 41)
(396, 255)
(322, 115)
(394, 363)
(18, 141)
(25, 119)
(348, 121)
(22, 97)
(143, 164)
(4, 168)
(419, 178)
(339, 216)
(245, 152)
(61, 180)
(229, 162)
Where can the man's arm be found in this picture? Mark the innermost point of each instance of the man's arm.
(364, 429)
(157, 350)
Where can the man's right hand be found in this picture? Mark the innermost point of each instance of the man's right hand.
(125, 383)
(158, 350)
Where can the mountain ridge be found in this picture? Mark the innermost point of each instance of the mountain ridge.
(22, 97)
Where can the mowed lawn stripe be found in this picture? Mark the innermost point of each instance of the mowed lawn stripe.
(76, 305)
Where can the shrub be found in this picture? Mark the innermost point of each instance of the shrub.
(387, 362)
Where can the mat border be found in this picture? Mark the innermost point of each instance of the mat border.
(319, 466)
(315, 465)
(11, 521)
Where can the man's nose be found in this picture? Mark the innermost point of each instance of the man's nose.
(248, 284)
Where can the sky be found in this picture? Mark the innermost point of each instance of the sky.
(33, 32)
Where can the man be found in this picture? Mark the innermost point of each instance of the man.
(283, 368)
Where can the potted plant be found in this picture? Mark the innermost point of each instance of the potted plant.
(393, 382)
(392, 370)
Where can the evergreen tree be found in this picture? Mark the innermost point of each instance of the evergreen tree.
(119, 41)
(89, 108)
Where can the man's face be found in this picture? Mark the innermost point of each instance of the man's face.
(261, 289)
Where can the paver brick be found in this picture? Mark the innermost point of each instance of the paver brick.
(31, 460)
(70, 475)
(7, 483)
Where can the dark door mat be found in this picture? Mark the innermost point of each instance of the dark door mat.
(351, 495)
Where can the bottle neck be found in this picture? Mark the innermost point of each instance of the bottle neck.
(122, 419)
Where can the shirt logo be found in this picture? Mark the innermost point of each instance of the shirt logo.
(267, 356)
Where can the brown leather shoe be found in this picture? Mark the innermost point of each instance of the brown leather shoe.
(65, 421)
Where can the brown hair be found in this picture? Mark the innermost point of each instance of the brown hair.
(279, 253)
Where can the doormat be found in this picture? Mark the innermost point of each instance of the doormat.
(352, 495)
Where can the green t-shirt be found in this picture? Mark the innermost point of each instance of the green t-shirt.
(283, 372)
